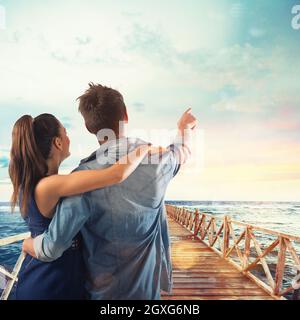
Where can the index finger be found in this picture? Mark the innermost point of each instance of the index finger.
(188, 110)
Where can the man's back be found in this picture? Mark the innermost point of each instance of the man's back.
(126, 246)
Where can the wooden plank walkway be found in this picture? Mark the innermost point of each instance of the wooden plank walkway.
(200, 274)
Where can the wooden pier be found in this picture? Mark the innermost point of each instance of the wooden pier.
(216, 258)
(200, 274)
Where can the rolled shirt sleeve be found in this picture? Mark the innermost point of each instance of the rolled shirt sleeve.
(180, 149)
(70, 216)
(38, 248)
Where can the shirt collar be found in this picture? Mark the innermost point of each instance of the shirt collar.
(119, 143)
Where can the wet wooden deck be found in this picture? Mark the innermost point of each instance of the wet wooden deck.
(201, 274)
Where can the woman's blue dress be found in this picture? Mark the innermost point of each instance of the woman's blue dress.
(62, 279)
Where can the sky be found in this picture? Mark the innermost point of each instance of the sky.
(236, 63)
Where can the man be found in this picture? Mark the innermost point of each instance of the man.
(124, 227)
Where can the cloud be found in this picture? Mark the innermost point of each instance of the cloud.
(59, 56)
(262, 80)
(286, 119)
(67, 122)
(83, 40)
(149, 43)
(132, 48)
(131, 14)
(4, 157)
(257, 32)
(138, 106)
(228, 66)
(245, 102)
(5, 181)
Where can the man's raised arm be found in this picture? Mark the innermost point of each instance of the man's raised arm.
(181, 147)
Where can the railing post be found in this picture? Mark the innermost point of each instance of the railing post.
(184, 217)
(174, 213)
(169, 211)
(202, 225)
(226, 236)
(196, 221)
(187, 218)
(247, 247)
(280, 266)
(211, 231)
(14, 277)
(177, 213)
(190, 226)
(181, 215)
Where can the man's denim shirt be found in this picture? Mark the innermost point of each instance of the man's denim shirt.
(124, 228)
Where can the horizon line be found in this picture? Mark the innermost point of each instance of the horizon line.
(182, 200)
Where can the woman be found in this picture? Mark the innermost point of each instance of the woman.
(39, 146)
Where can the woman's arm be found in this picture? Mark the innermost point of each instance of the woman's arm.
(50, 189)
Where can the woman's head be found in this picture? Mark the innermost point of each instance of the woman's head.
(35, 141)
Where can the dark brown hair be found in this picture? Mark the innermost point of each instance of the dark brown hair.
(102, 108)
(31, 146)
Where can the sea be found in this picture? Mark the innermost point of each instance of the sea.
(279, 216)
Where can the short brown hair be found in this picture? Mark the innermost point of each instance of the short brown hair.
(102, 108)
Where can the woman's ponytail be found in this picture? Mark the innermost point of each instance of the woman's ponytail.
(27, 162)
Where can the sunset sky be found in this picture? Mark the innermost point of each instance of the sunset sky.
(236, 63)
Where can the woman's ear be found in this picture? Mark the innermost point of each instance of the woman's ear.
(58, 143)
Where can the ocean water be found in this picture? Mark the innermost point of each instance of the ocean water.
(280, 216)
(10, 224)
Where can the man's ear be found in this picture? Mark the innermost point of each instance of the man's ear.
(57, 143)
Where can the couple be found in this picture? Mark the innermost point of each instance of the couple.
(100, 232)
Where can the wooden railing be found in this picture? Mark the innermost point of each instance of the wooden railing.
(239, 244)
(12, 276)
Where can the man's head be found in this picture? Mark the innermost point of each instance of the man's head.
(102, 108)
